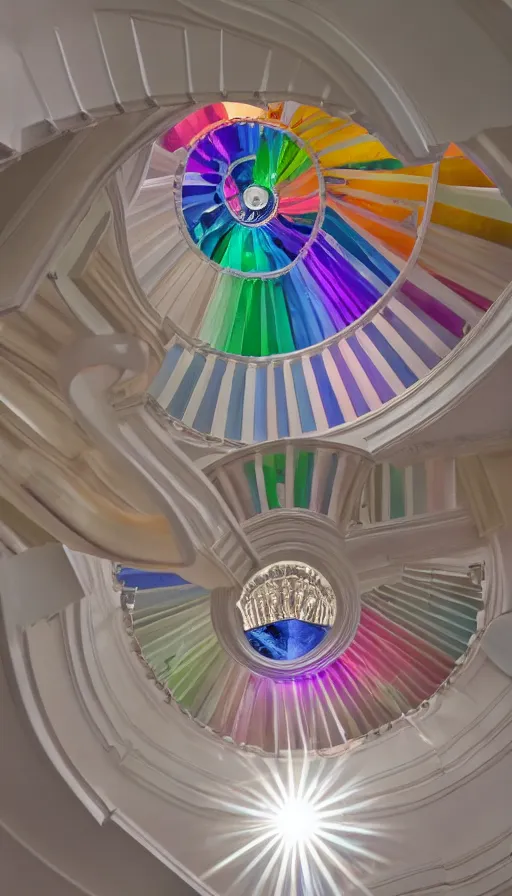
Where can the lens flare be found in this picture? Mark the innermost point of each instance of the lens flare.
(296, 821)
(297, 831)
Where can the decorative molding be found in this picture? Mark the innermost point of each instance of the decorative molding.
(120, 644)
(326, 75)
(182, 433)
(15, 653)
(138, 834)
(458, 446)
(421, 538)
(180, 337)
(27, 205)
(497, 642)
(84, 170)
(306, 538)
(131, 176)
(319, 41)
(462, 733)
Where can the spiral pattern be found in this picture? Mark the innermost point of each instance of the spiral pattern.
(251, 198)
(401, 262)
(257, 200)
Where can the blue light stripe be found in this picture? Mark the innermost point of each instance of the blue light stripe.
(144, 579)
(329, 400)
(357, 398)
(164, 374)
(204, 418)
(449, 339)
(260, 405)
(236, 404)
(382, 388)
(283, 426)
(307, 420)
(397, 363)
(181, 397)
(427, 355)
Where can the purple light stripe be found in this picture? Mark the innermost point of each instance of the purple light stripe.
(346, 294)
(435, 309)
(390, 354)
(353, 391)
(226, 142)
(474, 297)
(427, 355)
(197, 166)
(381, 386)
(448, 338)
(292, 241)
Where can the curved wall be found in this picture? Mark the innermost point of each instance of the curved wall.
(49, 842)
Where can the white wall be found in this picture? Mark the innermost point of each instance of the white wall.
(39, 815)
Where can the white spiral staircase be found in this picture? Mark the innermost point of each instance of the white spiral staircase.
(160, 750)
(417, 322)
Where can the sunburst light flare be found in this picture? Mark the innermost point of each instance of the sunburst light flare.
(298, 833)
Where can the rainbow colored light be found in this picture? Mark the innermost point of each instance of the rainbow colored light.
(294, 271)
(337, 220)
(410, 637)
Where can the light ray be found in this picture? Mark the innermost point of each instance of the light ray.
(298, 832)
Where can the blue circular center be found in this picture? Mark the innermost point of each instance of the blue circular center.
(286, 639)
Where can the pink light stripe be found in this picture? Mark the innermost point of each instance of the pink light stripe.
(468, 294)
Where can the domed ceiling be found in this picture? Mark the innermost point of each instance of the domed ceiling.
(299, 659)
(411, 634)
(310, 277)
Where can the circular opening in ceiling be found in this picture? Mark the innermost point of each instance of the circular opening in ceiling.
(256, 197)
(287, 609)
(250, 197)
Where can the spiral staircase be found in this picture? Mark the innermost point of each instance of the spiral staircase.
(256, 451)
(421, 258)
